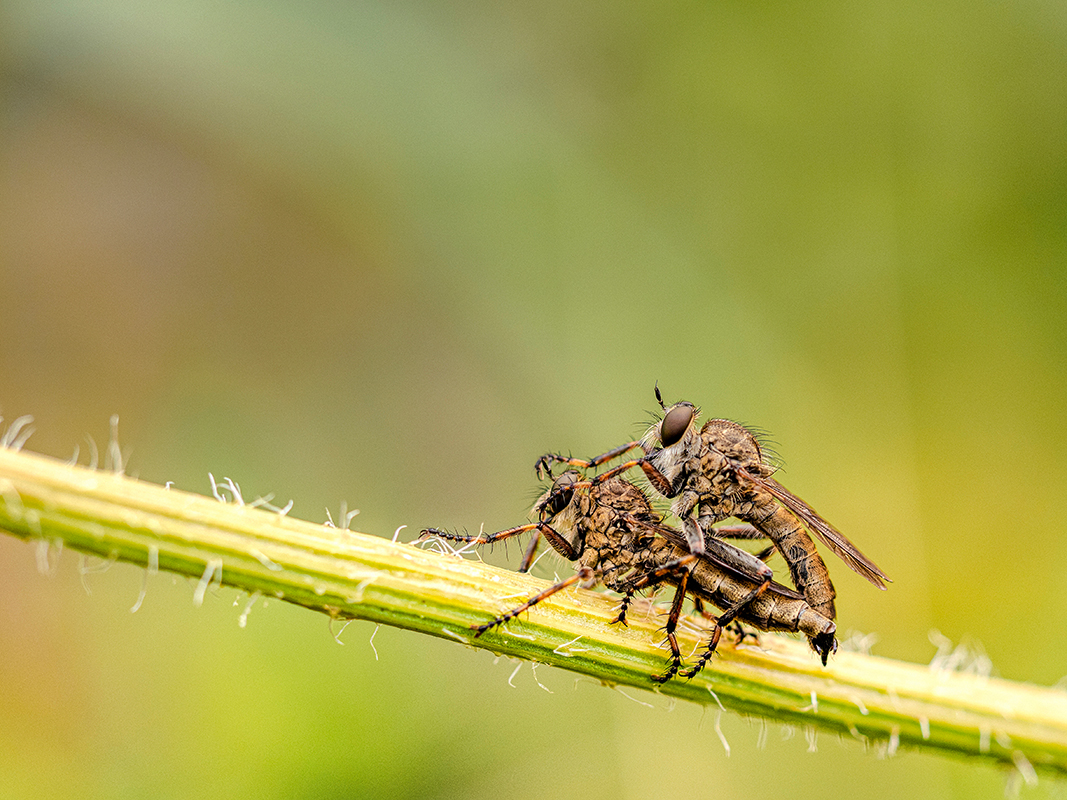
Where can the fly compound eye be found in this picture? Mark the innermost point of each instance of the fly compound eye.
(560, 495)
(559, 501)
(675, 423)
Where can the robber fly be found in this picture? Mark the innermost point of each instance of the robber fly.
(718, 471)
(618, 539)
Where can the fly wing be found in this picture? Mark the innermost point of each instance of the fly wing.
(827, 533)
(784, 591)
(677, 538)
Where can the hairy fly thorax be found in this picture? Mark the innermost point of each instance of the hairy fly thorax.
(607, 527)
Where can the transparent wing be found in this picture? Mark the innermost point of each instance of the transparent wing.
(676, 537)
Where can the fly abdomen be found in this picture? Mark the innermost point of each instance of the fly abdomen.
(809, 572)
(724, 590)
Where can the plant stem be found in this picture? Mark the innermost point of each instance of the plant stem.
(354, 576)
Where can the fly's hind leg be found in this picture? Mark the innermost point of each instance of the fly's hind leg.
(679, 569)
(729, 617)
(585, 575)
(542, 529)
(672, 625)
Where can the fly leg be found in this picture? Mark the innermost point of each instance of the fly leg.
(585, 575)
(543, 529)
(672, 626)
(528, 556)
(698, 606)
(627, 598)
(678, 569)
(728, 617)
(543, 465)
(658, 480)
(481, 538)
(738, 630)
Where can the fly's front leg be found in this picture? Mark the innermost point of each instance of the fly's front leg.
(543, 465)
(589, 482)
(585, 575)
(659, 481)
(542, 528)
(481, 538)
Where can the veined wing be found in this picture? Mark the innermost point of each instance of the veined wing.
(676, 537)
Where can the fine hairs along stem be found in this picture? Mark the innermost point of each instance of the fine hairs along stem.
(259, 550)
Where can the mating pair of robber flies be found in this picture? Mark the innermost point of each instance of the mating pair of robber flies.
(608, 526)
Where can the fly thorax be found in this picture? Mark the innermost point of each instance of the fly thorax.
(735, 442)
(719, 508)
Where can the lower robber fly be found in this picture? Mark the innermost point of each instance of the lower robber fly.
(718, 471)
(617, 538)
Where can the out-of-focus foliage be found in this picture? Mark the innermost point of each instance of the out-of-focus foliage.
(389, 254)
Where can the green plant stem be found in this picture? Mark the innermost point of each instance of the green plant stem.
(354, 576)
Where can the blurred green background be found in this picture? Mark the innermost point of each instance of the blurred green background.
(388, 254)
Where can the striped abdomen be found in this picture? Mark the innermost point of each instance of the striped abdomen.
(809, 572)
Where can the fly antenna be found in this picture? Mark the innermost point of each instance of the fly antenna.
(659, 397)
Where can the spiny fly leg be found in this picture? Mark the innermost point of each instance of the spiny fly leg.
(705, 657)
(543, 466)
(680, 568)
(543, 529)
(587, 577)
(672, 626)
(482, 538)
(726, 619)
(627, 598)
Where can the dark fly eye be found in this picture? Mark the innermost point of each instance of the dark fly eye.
(559, 501)
(675, 423)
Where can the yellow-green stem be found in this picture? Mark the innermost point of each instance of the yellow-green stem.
(352, 575)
